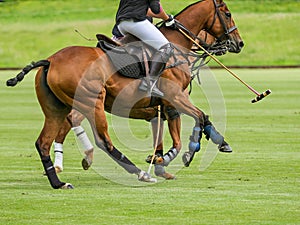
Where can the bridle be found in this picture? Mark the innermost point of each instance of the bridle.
(220, 43)
(227, 31)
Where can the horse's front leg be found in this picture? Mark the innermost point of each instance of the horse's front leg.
(157, 125)
(174, 124)
(211, 133)
(157, 131)
(157, 134)
(180, 103)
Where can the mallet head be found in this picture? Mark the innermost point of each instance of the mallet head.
(261, 96)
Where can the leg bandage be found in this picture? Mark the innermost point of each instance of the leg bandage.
(83, 138)
(211, 133)
(58, 155)
(194, 145)
(169, 156)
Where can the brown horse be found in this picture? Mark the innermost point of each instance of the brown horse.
(83, 78)
(75, 118)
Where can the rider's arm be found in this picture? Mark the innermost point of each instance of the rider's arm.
(156, 10)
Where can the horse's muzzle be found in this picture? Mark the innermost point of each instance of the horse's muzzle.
(235, 46)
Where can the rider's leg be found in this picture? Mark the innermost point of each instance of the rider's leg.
(157, 66)
(148, 33)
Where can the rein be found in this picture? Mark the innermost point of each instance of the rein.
(198, 54)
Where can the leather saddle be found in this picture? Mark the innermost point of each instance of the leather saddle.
(128, 57)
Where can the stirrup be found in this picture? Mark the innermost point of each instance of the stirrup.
(153, 89)
(143, 85)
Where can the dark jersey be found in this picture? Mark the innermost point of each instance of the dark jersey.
(136, 9)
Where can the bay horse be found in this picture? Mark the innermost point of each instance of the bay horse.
(74, 119)
(83, 78)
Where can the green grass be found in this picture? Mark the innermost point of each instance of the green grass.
(257, 184)
(32, 30)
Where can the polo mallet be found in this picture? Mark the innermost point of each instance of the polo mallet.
(257, 98)
(156, 140)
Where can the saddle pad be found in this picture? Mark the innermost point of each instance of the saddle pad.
(126, 64)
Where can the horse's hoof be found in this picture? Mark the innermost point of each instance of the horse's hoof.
(67, 186)
(159, 171)
(187, 158)
(86, 163)
(225, 148)
(156, 160)
(145, 177)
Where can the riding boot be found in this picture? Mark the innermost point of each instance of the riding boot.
(155, 71)
(157, 66)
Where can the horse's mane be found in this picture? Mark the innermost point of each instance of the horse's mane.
(191, 6)
(188, 7)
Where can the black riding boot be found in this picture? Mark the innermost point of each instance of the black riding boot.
(157, 66)
(155, 70)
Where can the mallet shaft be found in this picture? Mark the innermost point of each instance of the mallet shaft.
(157, 137)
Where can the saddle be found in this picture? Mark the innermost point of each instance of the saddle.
(129, 58)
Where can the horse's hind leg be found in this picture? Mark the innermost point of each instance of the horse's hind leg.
(55, 113)
(58, 145)
(75, 119)
(100, 129)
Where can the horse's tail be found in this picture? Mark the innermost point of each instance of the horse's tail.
(13, 81)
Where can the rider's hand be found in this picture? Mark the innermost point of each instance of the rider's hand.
(170, 23)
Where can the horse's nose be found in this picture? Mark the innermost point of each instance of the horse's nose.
(241, 44)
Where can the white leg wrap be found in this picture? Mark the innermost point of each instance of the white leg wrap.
(169, 156)
(58, 153)
(83, 138)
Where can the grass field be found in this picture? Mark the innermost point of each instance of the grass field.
(257, 184)
(31, 30)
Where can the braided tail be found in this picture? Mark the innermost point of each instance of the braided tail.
(13, 81)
